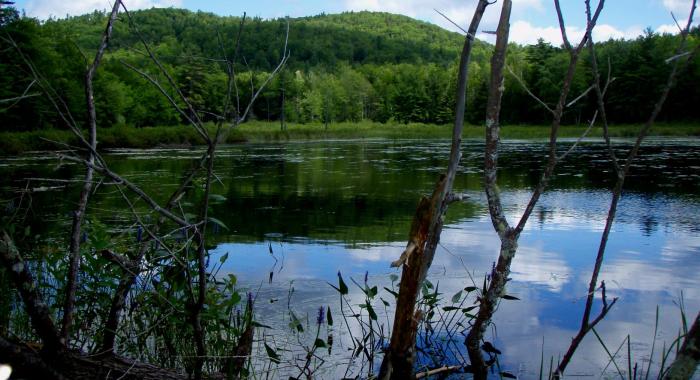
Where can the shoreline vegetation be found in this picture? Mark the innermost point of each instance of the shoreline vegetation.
(13, 143)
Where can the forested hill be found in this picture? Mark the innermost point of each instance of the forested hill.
(323, 40)
(346, 67)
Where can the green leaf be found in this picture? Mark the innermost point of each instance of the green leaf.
(393, 277)
(393, 293)
(329, 316)
(218, 222)
(457, 297)
(509, 297)
(223, 258)
(235, 299)
(342, 287)
(295, 323)
(319, 343)
(450, 308)
(272, 354)
(508, 375)
(371, 312)
(258, 324)
(470, 289)
(372, 292)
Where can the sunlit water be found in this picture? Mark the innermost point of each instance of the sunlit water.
(324, 207)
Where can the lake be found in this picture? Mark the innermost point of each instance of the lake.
(300, 212)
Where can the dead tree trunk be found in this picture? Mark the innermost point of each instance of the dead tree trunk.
(425, 234)
(508, 234)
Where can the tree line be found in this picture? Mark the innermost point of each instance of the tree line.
(353, 67)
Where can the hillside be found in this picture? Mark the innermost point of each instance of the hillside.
(323, 40)
(349, 67)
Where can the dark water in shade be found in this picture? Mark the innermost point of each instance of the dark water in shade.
(347, 205)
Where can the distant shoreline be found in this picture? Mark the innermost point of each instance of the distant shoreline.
(13, 143)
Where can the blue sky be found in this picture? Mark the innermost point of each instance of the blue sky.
(531, 19)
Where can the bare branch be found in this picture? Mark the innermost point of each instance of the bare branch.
(678, 25)
(439, 371)
(562, 26)
(79, 213)
(198, 123)
(524, 86)
(453, 23)
(676, 56)
(616, 194)
(571, 103)
(17, 99)
(558, 113)
(172, 101)
(580, 138)
(129, 185)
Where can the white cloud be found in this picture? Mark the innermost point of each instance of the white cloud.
(525, 33)
(667, 28)
(679, 7)
(455, 10)
(44, 9)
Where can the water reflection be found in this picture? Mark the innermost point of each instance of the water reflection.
(328, 206)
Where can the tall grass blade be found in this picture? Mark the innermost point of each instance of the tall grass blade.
(611, 356)
(629, 358)
(653, 343)
(542, 359)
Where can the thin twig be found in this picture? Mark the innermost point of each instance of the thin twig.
(524, 86)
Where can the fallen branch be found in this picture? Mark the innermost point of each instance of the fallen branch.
(437, 371)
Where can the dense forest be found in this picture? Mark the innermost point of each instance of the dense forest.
(348, 67)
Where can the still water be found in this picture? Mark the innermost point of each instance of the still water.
(324, 207)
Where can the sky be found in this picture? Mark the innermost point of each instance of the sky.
(531, 19)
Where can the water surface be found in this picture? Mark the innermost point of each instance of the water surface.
(324, 207)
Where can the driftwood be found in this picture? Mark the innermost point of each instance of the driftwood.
(29, 363)
(688, 357)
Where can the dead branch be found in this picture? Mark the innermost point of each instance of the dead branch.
(574, 55)
(27, 363)
(524, 86)
(79, 213)
(196, 122)
(439, 371)
(617, 190)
